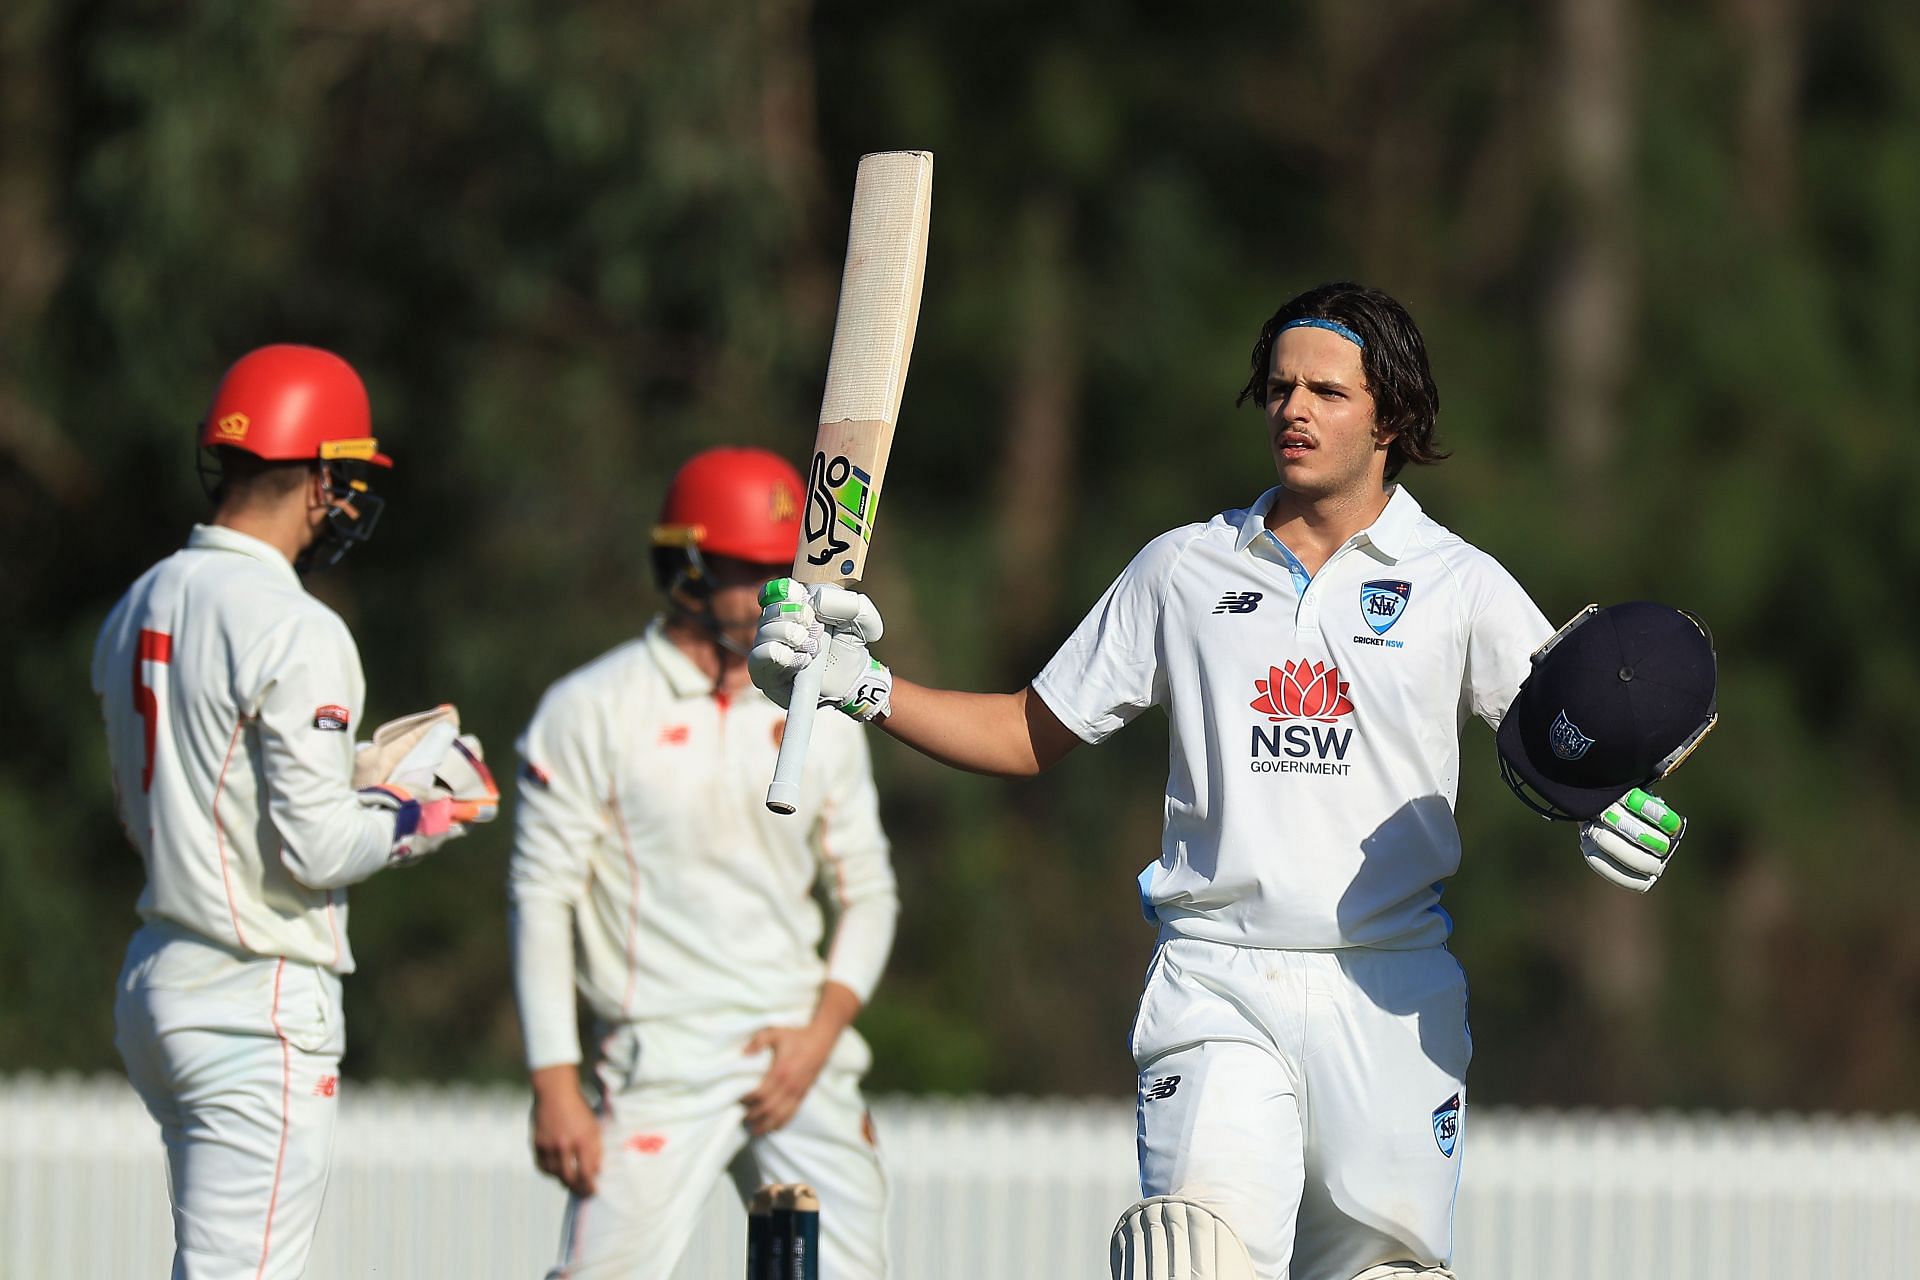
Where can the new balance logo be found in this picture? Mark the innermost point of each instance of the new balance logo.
(1239, 602)
(1163, 1088)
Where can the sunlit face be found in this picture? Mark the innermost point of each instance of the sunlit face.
(1320, 417)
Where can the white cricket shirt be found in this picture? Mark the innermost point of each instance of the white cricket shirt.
(1315, 723)
(644, 851)
(229, 694)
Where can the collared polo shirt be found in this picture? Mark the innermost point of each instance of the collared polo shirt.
(1314, 752)
(648, 872)
(230, 696)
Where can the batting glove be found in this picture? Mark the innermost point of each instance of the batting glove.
(1632, 842)
(829, 624)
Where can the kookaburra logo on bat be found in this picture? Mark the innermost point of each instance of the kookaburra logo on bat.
(823, 508)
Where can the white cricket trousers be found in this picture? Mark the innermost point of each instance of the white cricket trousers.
(238, 1059)
(1314, 1099)
(671, 1125)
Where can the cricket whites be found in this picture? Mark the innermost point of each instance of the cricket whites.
(872, 343)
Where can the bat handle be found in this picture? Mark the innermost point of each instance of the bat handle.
(783, 794)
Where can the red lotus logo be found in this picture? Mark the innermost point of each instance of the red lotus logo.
(1303, 691)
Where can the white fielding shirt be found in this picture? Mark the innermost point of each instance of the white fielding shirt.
(1314, 753)
(644, 851)
(228, 694)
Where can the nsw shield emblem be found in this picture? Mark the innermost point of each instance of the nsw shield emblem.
(1446, 1125)
(1566, 739)
(1383, 601)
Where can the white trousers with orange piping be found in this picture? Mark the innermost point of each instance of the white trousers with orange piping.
(238, 1059)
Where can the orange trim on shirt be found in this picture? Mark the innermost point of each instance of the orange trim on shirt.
(333, 926)
(220, 844)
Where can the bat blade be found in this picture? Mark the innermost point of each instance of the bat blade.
(872, 347)
(866, 373)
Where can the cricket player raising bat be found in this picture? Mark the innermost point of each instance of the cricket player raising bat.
(649, 875)
(1302, 1038)
(229, 695)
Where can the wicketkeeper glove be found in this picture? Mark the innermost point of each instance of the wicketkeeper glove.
(1633, 840)
(396, 741)
(432, 777)
(829, 624)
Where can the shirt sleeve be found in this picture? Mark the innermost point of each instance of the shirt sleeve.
(560, 815)
(1507, 627)
(853, 852)
(308, 680)
(1109, 670)
(103, 649)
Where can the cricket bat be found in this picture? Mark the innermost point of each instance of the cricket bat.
(872, 343)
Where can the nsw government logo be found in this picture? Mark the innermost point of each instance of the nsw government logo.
(1446, 1125)
(1308, 691)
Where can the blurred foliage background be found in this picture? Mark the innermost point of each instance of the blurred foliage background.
(1666, 258)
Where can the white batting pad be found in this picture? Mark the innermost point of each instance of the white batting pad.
(1167, 1238)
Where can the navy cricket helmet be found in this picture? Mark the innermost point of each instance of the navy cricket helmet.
(1616, 700)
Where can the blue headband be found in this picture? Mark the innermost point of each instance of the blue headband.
(1331, 326)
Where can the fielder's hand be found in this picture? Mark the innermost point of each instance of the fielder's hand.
(796, 626)
(1632, 842)
(799, 1053)
(566, 1133)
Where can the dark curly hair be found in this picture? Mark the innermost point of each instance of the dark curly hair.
(1393, 359)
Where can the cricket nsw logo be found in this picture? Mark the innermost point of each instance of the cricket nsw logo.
(1382, 603)
(1311, 695)
(1446, 1125)
(1566, 739)
(1303, 691)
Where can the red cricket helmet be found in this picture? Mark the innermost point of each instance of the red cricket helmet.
(729, 501)
(287, 403)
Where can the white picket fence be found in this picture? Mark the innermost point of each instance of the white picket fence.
(432, 1183)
